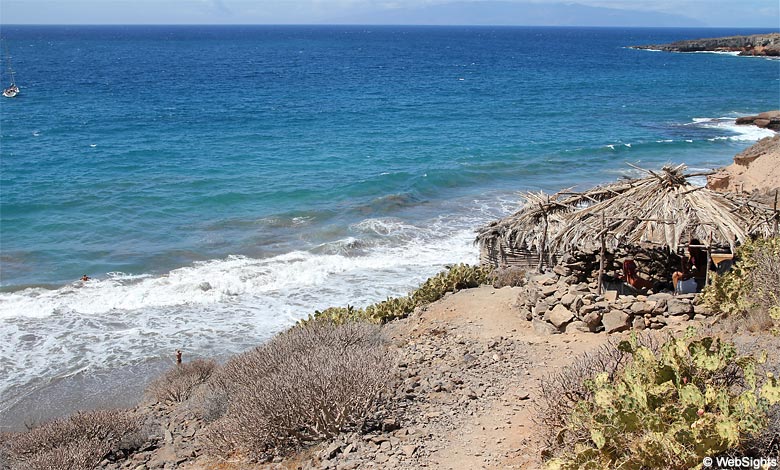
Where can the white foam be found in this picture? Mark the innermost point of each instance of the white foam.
(216, 307)
(732, 53)
(738, 133)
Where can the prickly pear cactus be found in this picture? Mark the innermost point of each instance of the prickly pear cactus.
(670, 409)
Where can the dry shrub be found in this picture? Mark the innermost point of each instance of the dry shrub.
(508, 277)
(561, 391)
(76, 442)
(305, 385)
(179, 383)
(752, 288)
(764, 444)
(764, 275)
(754, 321)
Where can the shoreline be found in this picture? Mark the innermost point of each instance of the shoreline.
(63, 394)
(117, 388)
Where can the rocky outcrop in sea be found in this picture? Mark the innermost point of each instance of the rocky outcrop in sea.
(765, 120)
(753, 45)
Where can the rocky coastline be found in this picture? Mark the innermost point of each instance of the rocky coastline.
(753, 45)
(468, 373)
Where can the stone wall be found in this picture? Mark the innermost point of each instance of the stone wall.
(654, 264)
(557, 302)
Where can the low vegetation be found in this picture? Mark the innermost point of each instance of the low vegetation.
(508, 277)
(305, 385)
(670, 408)
(179, 383)
(460, 276)
(80, 441)
(750, 292)
(563, 390)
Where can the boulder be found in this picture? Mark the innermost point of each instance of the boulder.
(577, 327)
(580, 288)
(586, 309)
(638, 323)
(577, 304)
(660, 296)
(567, 299)
(561, 270)
(616, 320)
(549, 290)
(542, 328)
(700, 309)
(560, 315)
(541, 307)
(526, 313)
(677, 307)
(761, 122)
(610, 295)
(673, 321)
(593, 320)
(640, 308)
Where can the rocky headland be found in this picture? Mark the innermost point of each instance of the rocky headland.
(753, 45)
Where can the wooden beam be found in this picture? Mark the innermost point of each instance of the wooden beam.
(603, 235)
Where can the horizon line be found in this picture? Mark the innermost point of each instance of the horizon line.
(773, 28)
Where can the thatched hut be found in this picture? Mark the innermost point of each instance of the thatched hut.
(662, 209)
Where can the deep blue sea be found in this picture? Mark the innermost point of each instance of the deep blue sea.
(219, 183)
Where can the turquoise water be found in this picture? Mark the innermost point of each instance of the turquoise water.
(219, 183)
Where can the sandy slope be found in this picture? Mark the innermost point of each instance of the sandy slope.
(755, 169)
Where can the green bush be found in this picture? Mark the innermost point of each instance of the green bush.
(455, 278)
(696, 398)
(752, 285)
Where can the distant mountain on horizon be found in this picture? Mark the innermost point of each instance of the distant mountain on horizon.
(504, 13)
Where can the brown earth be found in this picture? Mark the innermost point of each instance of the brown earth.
(470, 368)
(755, 169)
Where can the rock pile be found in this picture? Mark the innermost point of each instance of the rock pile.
(557, 303)
(172, 439)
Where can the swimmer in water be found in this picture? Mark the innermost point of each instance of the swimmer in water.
(85, 278)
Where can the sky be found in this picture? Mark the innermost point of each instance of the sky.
(714, 13)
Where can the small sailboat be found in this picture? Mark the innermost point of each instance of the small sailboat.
(12, 90)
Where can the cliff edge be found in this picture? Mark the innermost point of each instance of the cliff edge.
(757, 168)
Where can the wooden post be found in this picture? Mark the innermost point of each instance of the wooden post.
(543, 245)
(709, 260)
(601, 254)
(776, 214)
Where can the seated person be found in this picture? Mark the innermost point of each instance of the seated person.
(631, 277)
(693, 272)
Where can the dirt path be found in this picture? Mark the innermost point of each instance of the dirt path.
(495, 429)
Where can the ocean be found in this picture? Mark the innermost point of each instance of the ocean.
(220, 183)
